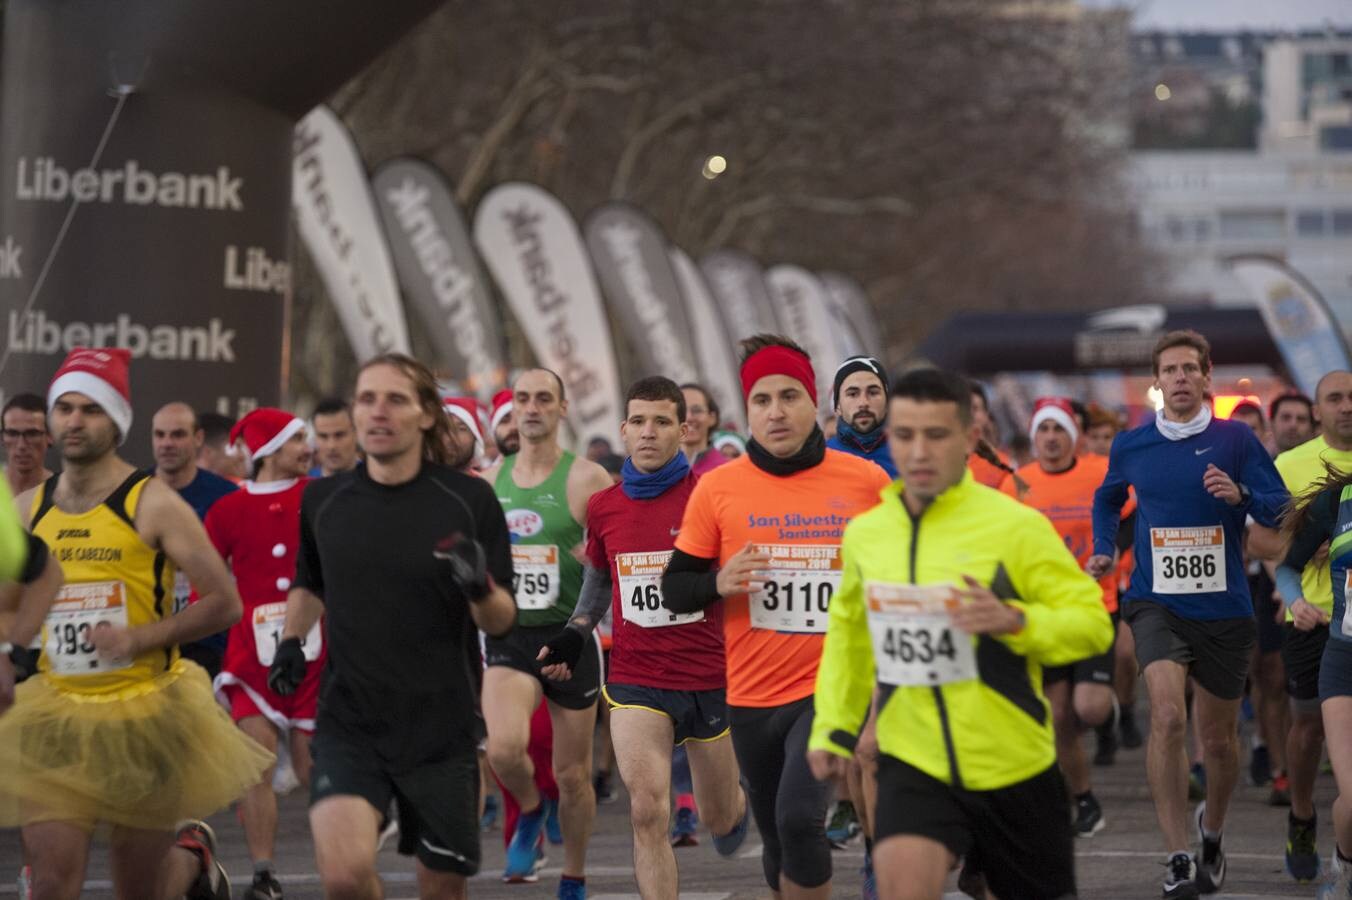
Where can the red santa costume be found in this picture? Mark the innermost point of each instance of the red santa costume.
(258, 533)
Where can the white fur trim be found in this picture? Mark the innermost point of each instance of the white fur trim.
(101, 392)
(226, 678)
(471, 423)
(1057, 415)
(499, 415)
(269, 487)
(278, 439)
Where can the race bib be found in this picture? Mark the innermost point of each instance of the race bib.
(68, 633)
(1188, 560)
(641, 591)
(1346, 623)
(799, 582)
(268, 619)
(182, 591)
(535, 578)
(914, 641)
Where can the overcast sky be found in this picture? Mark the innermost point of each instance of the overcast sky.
(1229, 15)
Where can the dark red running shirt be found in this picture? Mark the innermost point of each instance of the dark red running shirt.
(651, 646)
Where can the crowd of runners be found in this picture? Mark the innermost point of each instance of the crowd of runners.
(413, 603)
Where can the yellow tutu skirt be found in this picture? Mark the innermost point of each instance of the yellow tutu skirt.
(144, 757)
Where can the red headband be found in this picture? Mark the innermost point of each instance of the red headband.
(777, 360)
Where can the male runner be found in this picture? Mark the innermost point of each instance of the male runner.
(955, 630)
(502, 422)
(26, 442)
(257, 530)
(118, 730)
(1292, 417)
(860, 394)
(1061, 486)
(1303, 470)
(403, 557)
(216, 454)
(667, 681)
(1196, 479)
(176, 441)
(544, 491)
(335, 438)
(702, 418)
(770, 524)
(466, 446)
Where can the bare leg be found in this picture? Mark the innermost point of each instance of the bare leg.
(258, 808)
(509, 700)
(1217, 721)
(345, 829)
(59, 854)
(572, 771)
(718, 789)
(1304, 745)
(1338, 727)
(433, 885)
(137, 856)
(643, 741)
(1166, 758)
(1274, 710)
(911, 867)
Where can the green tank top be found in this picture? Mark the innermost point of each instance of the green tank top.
(548, 577)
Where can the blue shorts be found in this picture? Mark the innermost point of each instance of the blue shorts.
(696, 715)
(1335, 669)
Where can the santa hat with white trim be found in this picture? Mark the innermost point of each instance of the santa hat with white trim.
(103, 374)
(1059, 410)
(264, 431)
(502, 407)
(469, 411)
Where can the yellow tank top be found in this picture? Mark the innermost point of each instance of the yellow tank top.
(111, 576)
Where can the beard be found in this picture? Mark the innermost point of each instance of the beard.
(94, 447)
(508, 442)
(864, 422)
(460, 456)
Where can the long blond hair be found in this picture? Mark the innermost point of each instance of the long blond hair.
(436, 439)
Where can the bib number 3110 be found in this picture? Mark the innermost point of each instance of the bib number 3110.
(799, 583)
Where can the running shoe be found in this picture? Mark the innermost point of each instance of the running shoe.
(869, 889)
(1089, 819)
(490, 816)
(197, 837)
(533, 876)
(1211, 861)
(553, 828)
(1338, 884)
(1197, 782)
(265, 887)
(1260, 766)
(1130, 734)
(842, 824)
(1302, 854)
(572, 888)
(684, 828)
(728, 844)
(1179, 883)
(1281, 790)
(24, 883)
(389, 828)
(526, 845)
(601, 783)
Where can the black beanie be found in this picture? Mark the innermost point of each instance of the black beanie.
(849, 367)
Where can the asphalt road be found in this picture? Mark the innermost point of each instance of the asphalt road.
(1123, 862)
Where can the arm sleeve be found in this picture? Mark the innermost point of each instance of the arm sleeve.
(13, 537)
(1064, 617)
(593, 600)
(37, 560)
(309, 571)
(1267, 493)
(1108, 501)
(845, 676)
(690, 583)
(1317, 528)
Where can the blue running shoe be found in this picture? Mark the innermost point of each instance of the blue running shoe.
(842, 824)
(870, 886)
(572, 888)
(525, 846)
(553, 830)
(683, 830)
(490, 817)
(727, 844)
(534, 876)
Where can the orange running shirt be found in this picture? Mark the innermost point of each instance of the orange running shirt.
(1067, 498)
(802, 517)
(987, 473)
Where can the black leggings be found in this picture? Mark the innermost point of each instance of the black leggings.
(788, 803)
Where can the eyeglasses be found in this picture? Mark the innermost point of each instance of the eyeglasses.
(30, 435)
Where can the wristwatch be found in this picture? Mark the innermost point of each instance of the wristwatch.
(1245, 495)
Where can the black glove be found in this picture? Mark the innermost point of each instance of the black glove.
(465, 564)
(288, 668)
(564, 648)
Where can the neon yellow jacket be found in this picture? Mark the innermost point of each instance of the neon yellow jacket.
(13, 538)
(981, 734)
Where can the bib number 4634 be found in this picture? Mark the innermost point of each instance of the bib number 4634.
(919, 645)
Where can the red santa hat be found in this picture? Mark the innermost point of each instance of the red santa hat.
(1059, 410)
(469, 411)
(103, 374)
(264, 431)
(502, 406)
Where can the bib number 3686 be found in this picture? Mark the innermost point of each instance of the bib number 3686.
(1188, 560)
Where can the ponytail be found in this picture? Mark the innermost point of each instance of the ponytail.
(987, 452)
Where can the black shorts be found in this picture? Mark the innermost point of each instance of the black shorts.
(1265, 608)
(1302, 653)
(1019, 836)
(437, 802)
(697, 715)
(520, 650)
(1094, 670)
(1216, 652)
(1335, 670)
